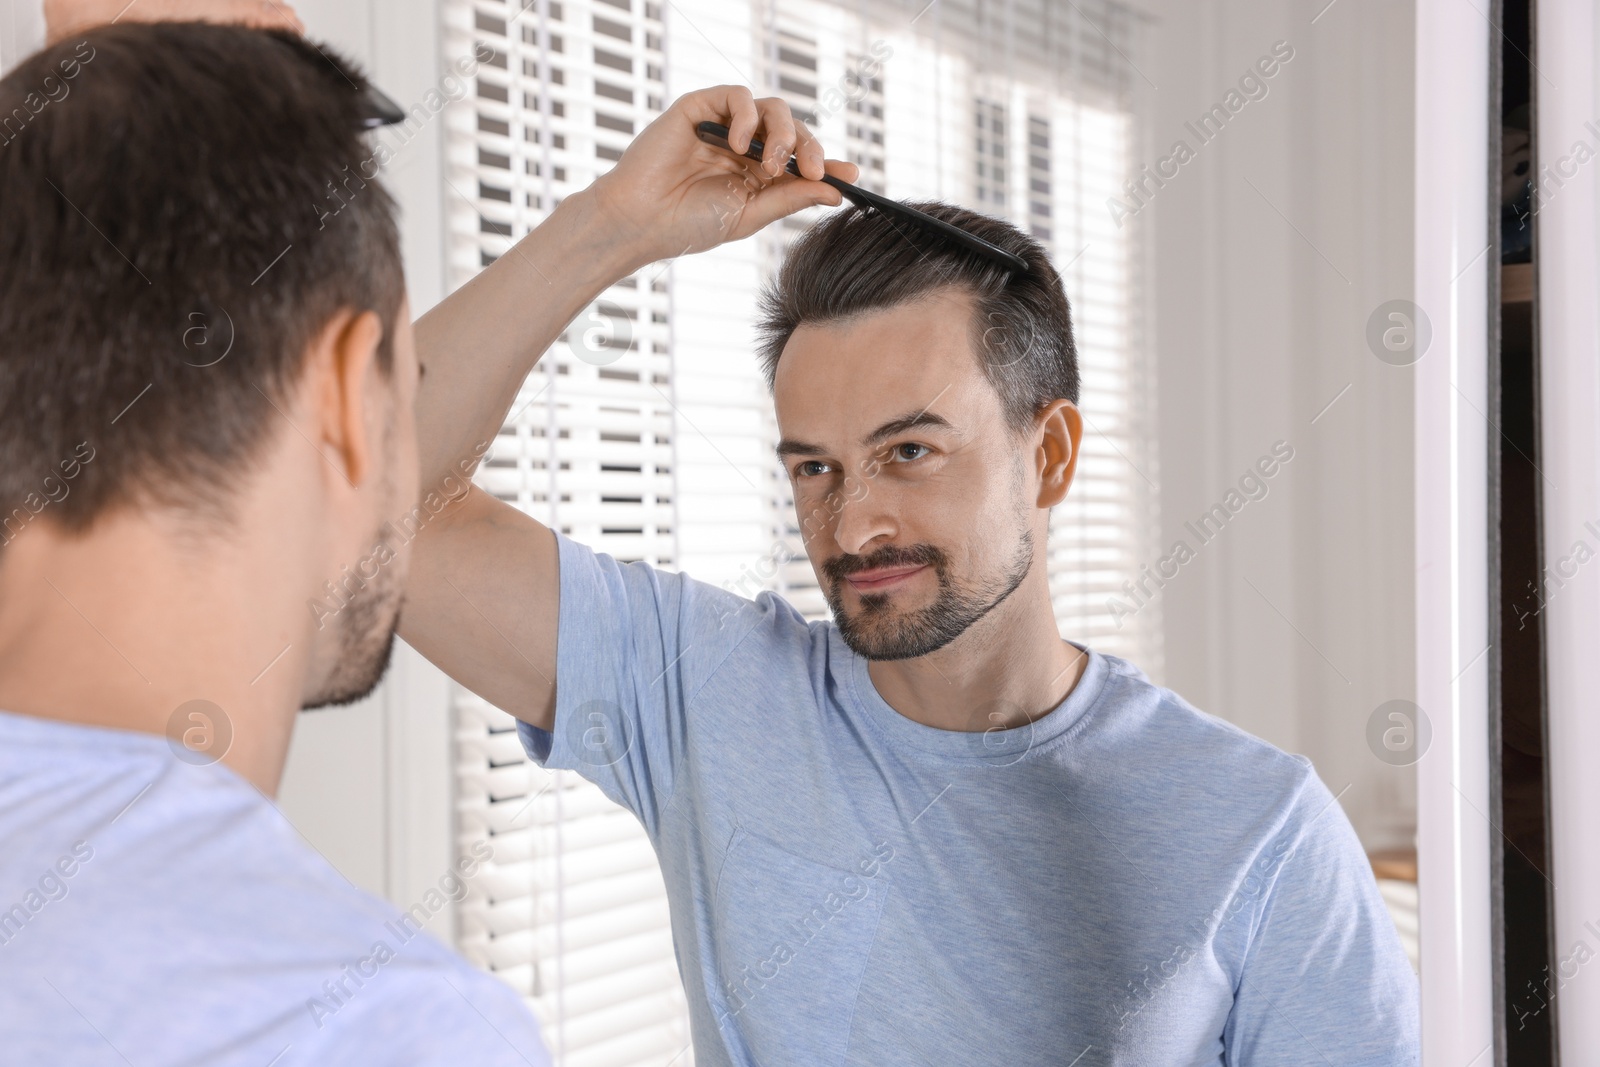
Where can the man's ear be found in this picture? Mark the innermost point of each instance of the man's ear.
(1060, 430)
(344, 388)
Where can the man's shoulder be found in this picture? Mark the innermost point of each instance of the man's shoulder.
(124, 859)
(1224, 809)
(1166, 726)
(190, 878)
(1193, 759)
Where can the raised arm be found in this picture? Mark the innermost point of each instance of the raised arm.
(482, 597)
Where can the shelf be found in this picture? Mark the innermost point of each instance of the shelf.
(1399, 864)
(1516, 283)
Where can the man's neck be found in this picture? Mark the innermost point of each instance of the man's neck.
(1008, 669)
(123, 625)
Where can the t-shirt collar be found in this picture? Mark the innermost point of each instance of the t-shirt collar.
(993, 746)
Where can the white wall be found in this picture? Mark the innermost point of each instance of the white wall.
(1269, 251)
(21, 30)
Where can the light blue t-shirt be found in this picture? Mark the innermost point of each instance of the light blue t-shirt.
(1126, 881)
(157, 912)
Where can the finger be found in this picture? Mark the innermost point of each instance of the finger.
(282, 22)
(272, 14)
(778, 132)
(789, 194)
(731, 105)
(785, 198)
(842, 170)
(808, 152)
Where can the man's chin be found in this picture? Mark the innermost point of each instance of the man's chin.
(877, 654)
(348, 687)
(889, 635)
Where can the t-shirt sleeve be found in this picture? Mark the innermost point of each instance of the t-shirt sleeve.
(1325, 979)
(634, 644)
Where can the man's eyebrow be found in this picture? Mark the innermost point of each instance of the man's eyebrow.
(911, 420)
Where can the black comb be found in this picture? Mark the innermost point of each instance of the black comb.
(716, 133)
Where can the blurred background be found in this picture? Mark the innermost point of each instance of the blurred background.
(1226, 188)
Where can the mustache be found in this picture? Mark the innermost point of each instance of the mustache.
(840, 567)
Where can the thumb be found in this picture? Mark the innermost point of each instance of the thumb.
(785, 197)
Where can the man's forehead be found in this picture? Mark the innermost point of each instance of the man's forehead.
(854, 377)
(930, 336)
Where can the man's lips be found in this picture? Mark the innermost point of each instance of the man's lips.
(871, 581)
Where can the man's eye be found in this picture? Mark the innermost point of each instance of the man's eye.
(811, 468)
(910, 451)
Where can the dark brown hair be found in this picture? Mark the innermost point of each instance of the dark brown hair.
(169, 193)
(856, 261)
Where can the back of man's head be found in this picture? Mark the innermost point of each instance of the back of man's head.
(184, 205)
(857, 261)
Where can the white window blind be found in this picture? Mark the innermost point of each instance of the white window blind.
(647, 432)
(570, 909)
